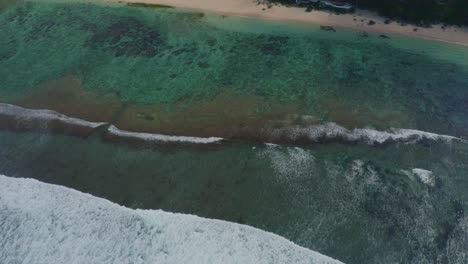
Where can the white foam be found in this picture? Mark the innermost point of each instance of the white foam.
(289, 162)
(457, 242)
(332, 131)
(162, 138)
(24, 116)
(48, 224)
(408, 136)
(27, 118)
(39, 118)
(426, 176)
(358, 169)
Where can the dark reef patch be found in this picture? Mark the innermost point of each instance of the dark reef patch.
(129, 37)
(211, 42)
(203, 65)
(272, 45)
(9, 50)
(184, 50)
(43, 29)
(5, 55)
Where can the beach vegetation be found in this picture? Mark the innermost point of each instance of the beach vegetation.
(419, 12)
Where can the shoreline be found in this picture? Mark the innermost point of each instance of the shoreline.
(357, 21)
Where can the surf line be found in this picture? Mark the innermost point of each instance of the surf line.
(16, 118)
(333, 133)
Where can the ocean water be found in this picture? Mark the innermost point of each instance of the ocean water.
(354, 203)
(191, 74)
(98, 231)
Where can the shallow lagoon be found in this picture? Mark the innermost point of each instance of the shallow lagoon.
(170, 59)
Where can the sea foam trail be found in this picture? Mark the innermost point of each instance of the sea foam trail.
(115, 132)
(22, 119)
(331, 132)
(18, 118)
(44, 223)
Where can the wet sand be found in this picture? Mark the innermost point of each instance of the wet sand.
(357, 21)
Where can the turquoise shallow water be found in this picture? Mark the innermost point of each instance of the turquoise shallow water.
(356, 203)
(163, 56)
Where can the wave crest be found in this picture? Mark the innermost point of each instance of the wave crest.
(331, 132)
(22, 119)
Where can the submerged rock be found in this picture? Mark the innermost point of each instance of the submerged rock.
(363, 34)
(129, 37)
(327, 28)
(273, 45)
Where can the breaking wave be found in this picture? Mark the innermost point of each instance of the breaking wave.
(22, 119)
(44, 223)
(115, 132)
(331, 132)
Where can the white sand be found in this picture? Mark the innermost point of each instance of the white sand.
(250, 8)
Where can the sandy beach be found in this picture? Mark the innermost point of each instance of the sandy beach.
(358, 21)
